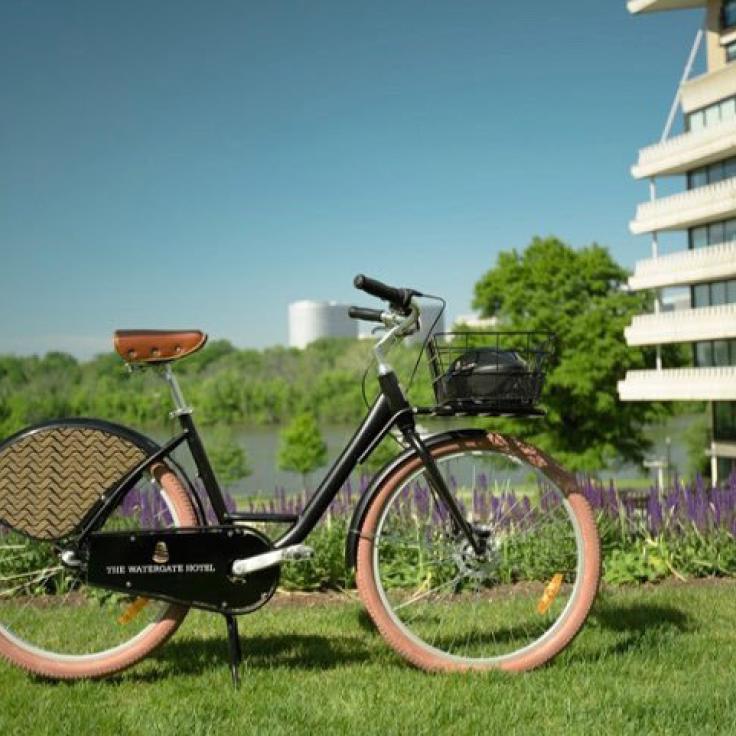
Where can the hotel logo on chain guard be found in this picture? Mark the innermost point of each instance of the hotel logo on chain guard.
(188, 566)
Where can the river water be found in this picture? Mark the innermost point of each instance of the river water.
(261, 445)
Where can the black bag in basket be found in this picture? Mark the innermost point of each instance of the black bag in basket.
(489, 375)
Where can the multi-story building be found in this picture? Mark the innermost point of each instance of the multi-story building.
(705, 213)
(310, 321)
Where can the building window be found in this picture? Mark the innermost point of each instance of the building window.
(720, 353)
(713, 294)
(712, 173)
(718, 293)
(695, 121)
(729, 230)
(712, 114)
(728, 108)
(709, 353)
(713, 234)
(697, 178)
(699, 237)
(731, 291)
(724, 420)
(703, 354)
(701, 295)
(728, 13)
(730, 52)
(716, 232)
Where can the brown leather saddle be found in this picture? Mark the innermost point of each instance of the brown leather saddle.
(157, 346)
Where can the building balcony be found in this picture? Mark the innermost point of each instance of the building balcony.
(685, 325)
(687, 151)
(651, 6)
(722, 449)
(687, 209)
(679, 384)
(707, 88)
(712, 263)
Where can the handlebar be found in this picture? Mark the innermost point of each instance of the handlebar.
(401, 320)
(369, 315)
(399, 299)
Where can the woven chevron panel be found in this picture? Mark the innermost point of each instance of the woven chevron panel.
(52, 478)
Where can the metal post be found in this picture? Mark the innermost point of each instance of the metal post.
(685, 75)
(176, 394)
(713, 465)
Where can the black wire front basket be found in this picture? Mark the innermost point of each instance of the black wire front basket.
(488, 372)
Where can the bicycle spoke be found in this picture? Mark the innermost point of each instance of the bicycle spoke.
(429, 592)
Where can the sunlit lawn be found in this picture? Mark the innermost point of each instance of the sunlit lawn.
(652, 660)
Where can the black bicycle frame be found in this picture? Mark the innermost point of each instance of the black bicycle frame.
(388, 410)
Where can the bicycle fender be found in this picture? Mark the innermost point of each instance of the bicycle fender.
(356, 522)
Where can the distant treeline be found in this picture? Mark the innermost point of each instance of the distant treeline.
(224, 384)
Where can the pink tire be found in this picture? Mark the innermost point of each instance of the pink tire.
(443, 607)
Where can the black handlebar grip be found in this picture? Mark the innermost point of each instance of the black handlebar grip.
(369, 315)
(398, 298)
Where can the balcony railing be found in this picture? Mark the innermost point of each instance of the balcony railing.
(649, 6)
(686, 267)
(679, 384)
(687, 209)
(687, 151)
(683, 325)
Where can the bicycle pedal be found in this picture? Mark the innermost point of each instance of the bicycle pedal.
(298, 552)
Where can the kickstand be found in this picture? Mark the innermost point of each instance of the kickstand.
(233, 640)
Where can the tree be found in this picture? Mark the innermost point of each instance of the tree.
(302, 447)
(228, 458)
(578, 295)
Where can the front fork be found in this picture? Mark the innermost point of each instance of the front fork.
(398, 403)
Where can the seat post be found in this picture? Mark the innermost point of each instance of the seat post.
(176, 394)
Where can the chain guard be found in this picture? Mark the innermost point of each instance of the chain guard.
(187, 566)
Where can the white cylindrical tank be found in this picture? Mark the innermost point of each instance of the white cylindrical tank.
(312, 320)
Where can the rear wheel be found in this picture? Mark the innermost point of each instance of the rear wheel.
(515, 605)
(55, 625)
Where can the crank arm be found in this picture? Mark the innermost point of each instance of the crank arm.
(294, 553)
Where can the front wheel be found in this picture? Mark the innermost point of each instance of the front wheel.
(515, 605)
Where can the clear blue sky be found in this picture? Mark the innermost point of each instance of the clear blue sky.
(194, 164)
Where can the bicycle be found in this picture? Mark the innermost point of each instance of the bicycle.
(105, 544)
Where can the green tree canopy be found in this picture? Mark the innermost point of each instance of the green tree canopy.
(578, 295)
(228, 458)
(302, 447)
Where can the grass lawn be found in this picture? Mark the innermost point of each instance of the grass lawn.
(651, 660)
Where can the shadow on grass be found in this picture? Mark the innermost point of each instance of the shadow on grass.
(366, 622)
(197, 656)
(639, 625)
(633, 626)
(292, 651)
